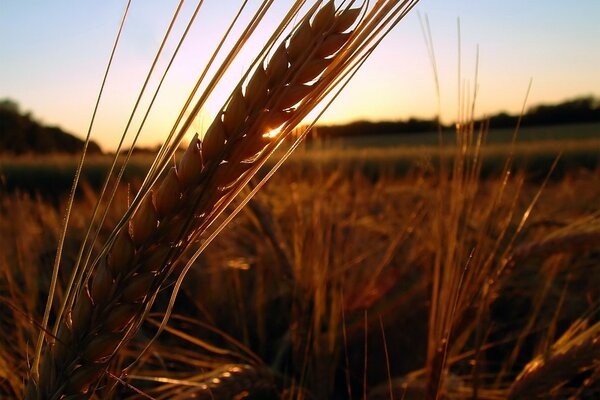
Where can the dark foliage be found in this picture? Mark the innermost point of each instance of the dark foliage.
(21, 134)
(358, 128)
(579, 110)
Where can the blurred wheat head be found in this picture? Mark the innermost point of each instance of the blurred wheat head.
(113, 284)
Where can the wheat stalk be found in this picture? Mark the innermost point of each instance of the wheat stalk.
(225, 382)
(120, 287)
(580, 235)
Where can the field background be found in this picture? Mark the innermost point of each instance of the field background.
(535, 151)
(412, 264)
(321, 288)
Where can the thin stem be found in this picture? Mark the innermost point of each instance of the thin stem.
(77, 271)
(61, 241)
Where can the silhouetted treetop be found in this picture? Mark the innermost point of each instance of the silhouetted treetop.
(579, 110)
(21, 134)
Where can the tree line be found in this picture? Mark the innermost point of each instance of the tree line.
(21, 134)
(578, 110)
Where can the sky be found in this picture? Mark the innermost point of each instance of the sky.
(53, 55)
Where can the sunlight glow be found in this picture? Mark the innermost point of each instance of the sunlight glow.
(55, 74)
(273, 133)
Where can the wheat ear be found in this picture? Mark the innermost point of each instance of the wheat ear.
(109, 306)
(570, 355)
(567, 243)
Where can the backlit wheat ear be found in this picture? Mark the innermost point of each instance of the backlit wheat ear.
(109, 307)
(120, 284)
(568, 357)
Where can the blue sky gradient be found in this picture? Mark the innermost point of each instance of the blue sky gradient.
(53, 54)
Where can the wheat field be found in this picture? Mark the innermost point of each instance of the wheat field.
(213, 277)
(322, 265)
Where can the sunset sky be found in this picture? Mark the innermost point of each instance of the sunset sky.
(53, 55)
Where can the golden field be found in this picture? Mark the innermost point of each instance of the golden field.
(458, 263)
(334, 282)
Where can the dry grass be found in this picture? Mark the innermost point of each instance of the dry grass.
(300, 267)
(326, 279)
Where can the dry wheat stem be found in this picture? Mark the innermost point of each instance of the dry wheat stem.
(225, 382)
(576, 241)
(58, 257)
(454, 283)
(455, 289)
(84, 260)
(257, 17)
(247, 355)
(478, 284)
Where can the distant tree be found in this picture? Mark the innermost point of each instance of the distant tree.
(582, 109)
(358, 128)
(503, 120)
(578, 110)
(21, 134)
(9, 105)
